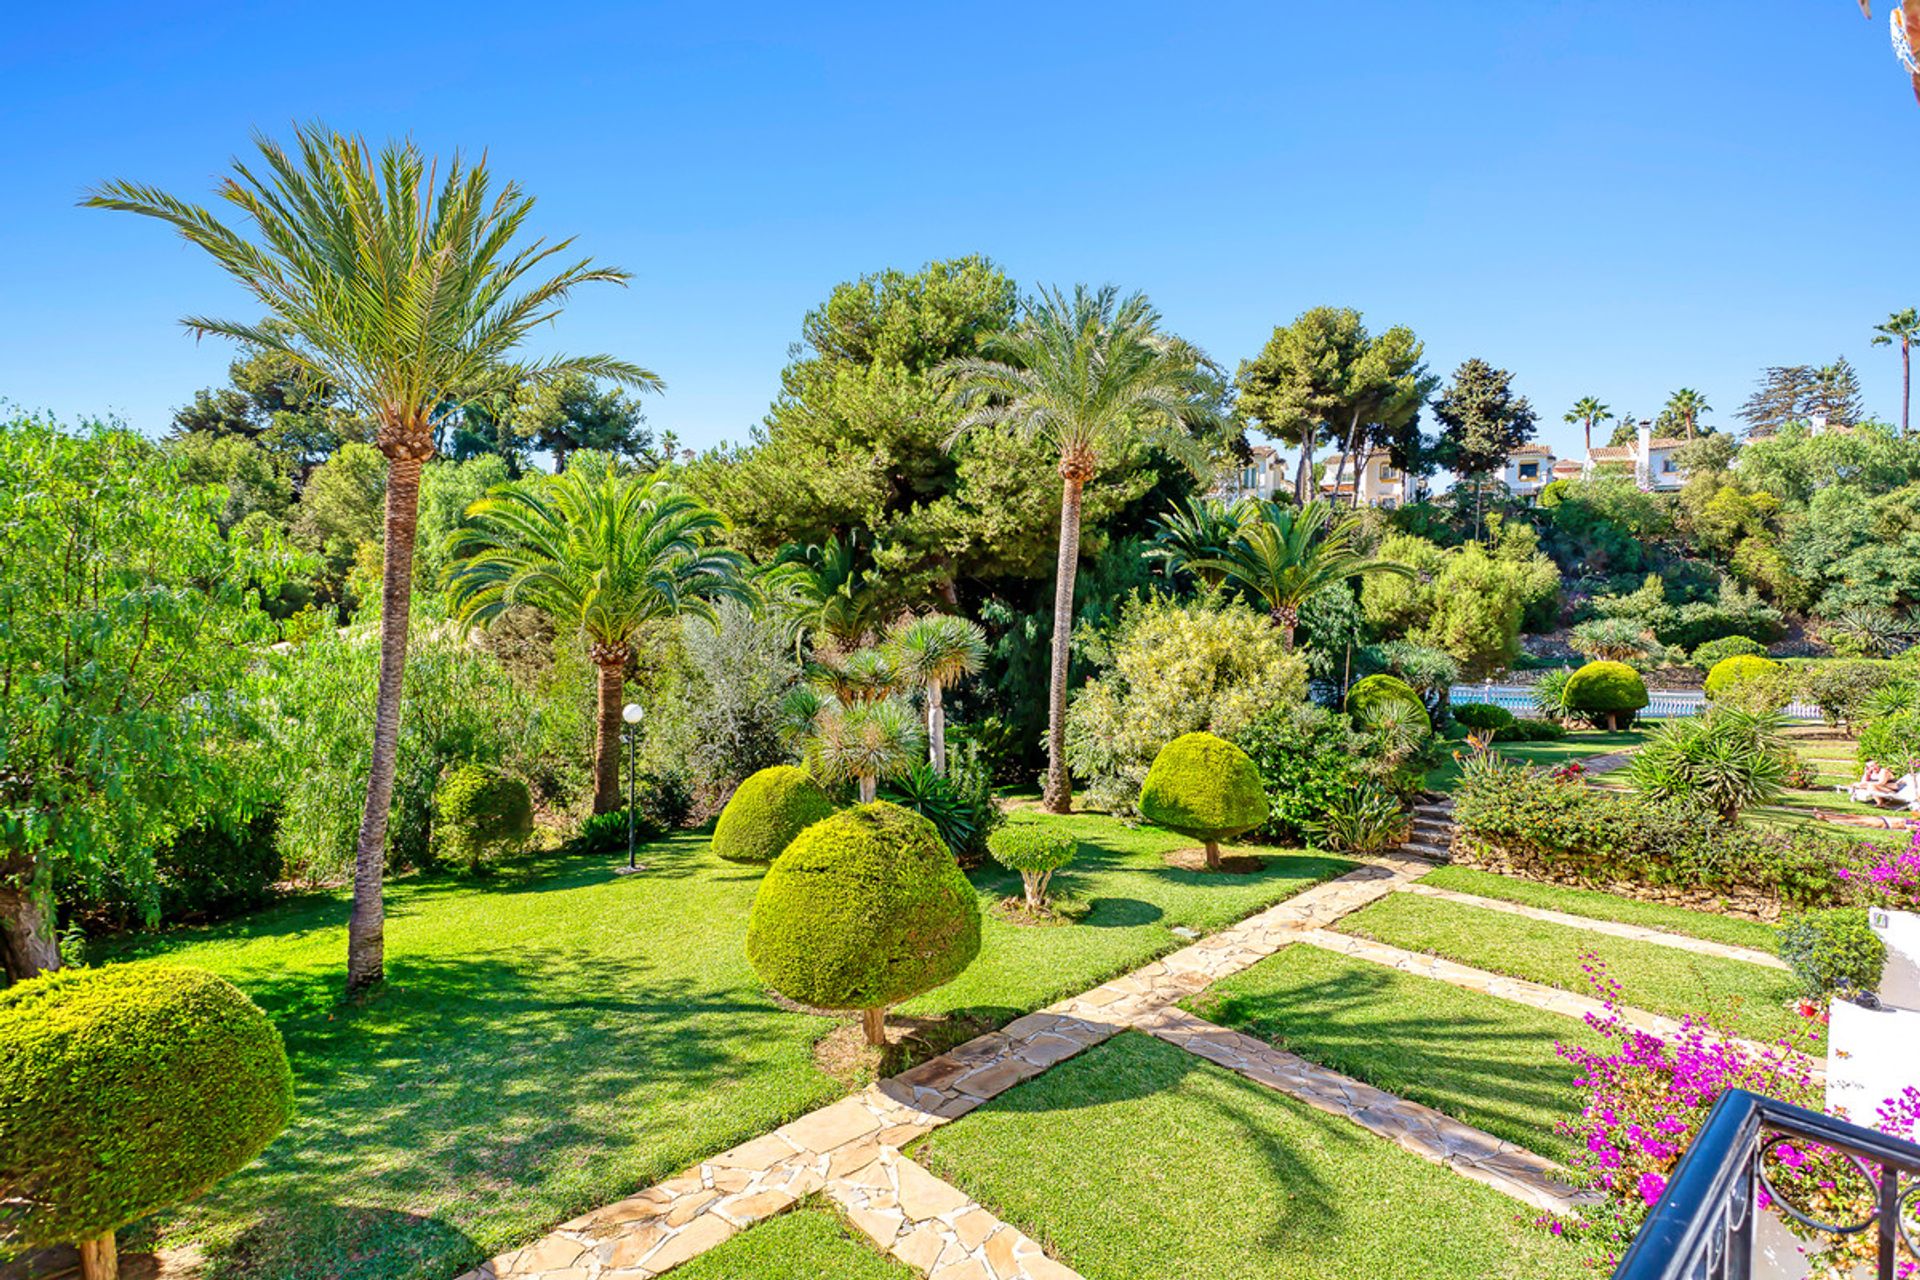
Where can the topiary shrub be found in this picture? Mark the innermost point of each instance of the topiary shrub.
(1207, 788)
(766, 812)
(124, 1090)
(1713, 652)
(1531, 731)
(1738, 669)
(1483, 715)
(1367, 696)
(863, 910)
(480, 812)
(1036, 850)
(1833, 951)
(1606, 693)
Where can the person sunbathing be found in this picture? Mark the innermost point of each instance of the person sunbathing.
(1877, 785)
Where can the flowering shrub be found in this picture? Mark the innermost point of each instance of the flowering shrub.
(1887, 879)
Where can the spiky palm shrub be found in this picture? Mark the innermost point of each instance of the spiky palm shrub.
(598, 549)
(864, 743)
(1193, 535)
(408, 288)
(1088, 373)
(1728, 760)
(1282, 555)
(935, 650)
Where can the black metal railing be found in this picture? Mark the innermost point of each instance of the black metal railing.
(1703, 1227)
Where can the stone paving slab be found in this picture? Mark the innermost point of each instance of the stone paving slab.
(1432, 1135)
(1613, 928)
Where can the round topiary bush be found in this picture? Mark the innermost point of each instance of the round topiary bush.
(1714, 651)
(1833, 951)
(124, 1090)
(1036, 850)
(1367, 696)
(1205, 787)
(1739, 669)
(864, 909)
(1483, 716)
(766, 812)
(1606, 692)
(480, 811)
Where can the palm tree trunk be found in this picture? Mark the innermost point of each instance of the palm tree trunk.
(1303, 477)
(1589, 435)
(936, 728)
(612, 663)
(1059, 790)
(27, 945)
(100, 1258)
(874, 1023)
(869, 787)
(366, 927)
(1906, 383)
(1287, 618)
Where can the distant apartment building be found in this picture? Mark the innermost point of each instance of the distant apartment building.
(1264, 474)
(1528, 470)
(1373, 481)
(1649, 460)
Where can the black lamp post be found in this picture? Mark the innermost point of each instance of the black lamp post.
(631, 713)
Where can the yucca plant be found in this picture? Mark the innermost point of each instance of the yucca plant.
(409, 288)
(935, 650)
(1365, 819)
(1284, 555)
(1728, 760)
(864, 743)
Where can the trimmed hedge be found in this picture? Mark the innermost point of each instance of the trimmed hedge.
(127, 1089)
(1205, 787)
(1367, 696)
(864, 909)
(1713, 652)
(1036, 850)
(1729, 672)
(766, 812)
(1483, 716)
(1606, 692)
(480, 811)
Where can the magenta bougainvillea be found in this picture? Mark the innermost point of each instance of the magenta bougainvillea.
(1888, 877)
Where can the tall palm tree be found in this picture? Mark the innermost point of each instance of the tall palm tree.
(408, 292)
(1688, 405)
(1287, 554)
(1196, 531)
(936, 649)
(1087, 373)
(599, 549)
(1901, 327)
(1587, 411)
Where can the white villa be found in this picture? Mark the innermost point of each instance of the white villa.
(1649, 459)
(1379, 483)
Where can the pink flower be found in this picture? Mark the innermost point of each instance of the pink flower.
(1651, 1186)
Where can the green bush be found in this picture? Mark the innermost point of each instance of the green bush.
(1205, 787)
(1367, 696)
(864, 909)
(1308, 758)
(1833, 951)
(1716, 651)
(1844, 690)
(1483, 715)
(1531, 731)
(1366, 819)
(125, 1090)
(1550, 692)
(1036, 850)
(1893, 740)
(1739, 669)
(210, 871)
(480, 813)
(959, 803)
(1728, 759)
(766, 812)
(1607, 693)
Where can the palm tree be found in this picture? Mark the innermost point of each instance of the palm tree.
(824, 591)
(1901, 327)
(936, 649)
(864, 743)
(1688, 405)
(1196, 531)
(1284, 555)
(408, 292)
(1086, 373)
(602, 550)
(1587, 411)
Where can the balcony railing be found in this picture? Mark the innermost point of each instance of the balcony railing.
(1704, 1226)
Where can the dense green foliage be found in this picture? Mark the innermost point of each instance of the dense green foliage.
(1308, 758)
(1367, 819)
(1606, 692)
(1833, 951)
(1738, 669)
(1368, 698)
(480, 813)
(959, 803)
(864, 909)
(767, 811)
(1203, 786)
(1711, 652)
(128, 1089)
(1480, 715)
(1727, 760)
(1036, 852)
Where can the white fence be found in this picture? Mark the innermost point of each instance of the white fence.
(1662, 704)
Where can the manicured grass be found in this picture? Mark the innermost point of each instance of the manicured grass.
(1484, 1061)
(1579, 745)
(1139, 1161)
(1745, 999)
(557, 1037)
(1597, 905)
(809, 1242)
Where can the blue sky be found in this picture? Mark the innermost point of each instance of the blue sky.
(1618, 198)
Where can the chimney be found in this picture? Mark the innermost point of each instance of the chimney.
(1643, 461)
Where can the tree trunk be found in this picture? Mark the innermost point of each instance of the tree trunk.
(1303, 477)
(1589, 436)
(27, 944)
(1213, 855)
(1059, 790)
(1906, 383)
(1287, 618)
(874, 1023)
(100, 1258)
(612, 663)
(366, 927)
(869, 788)
(1359, 467)
(936, 728)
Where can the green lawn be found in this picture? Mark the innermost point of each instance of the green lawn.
(1139, 1161)
(1597, 905)
(1485, 1061)
(558, 1037)
(1747, 999)
(1579, 745)
(809, 1242)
